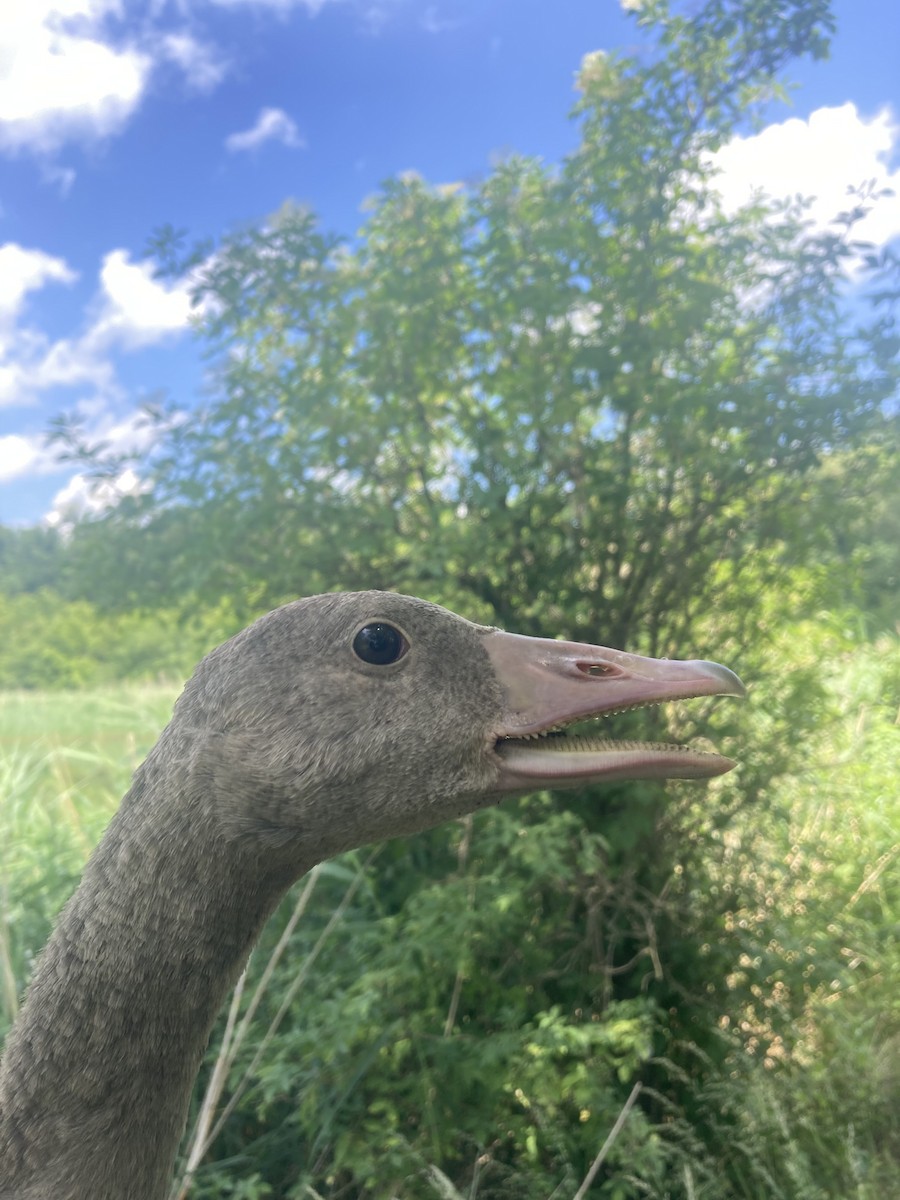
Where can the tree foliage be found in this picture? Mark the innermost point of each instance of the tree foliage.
(49, 642)
(583, 399)
(30, 559)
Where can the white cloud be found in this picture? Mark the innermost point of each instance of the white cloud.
(281, 6)
(131, 310)
(135, 309)
(27, 361)
(67, 72)
(60, 78)
(82, 495)
(23, 271)
(821, 157)
(203, 68)
(36, 365)
(272, 124)
(21, 455)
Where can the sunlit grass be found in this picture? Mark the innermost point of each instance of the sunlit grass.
(106, 718)
(66, 759)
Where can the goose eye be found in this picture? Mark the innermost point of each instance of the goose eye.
(380, 644)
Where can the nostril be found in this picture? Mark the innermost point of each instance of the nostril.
(596, 669)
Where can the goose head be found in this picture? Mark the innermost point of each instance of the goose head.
(350, 717)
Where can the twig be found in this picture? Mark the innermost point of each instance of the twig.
(274, 958)
(10, 991)
(611, 1137)
(454, 1003)
(235, 1034)
(880, 867)
(290, 994)
(232, 1040)
(198, 1143)
(462, 858)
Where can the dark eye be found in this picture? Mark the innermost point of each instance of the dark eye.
(380, 644)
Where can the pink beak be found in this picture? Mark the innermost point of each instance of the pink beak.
(550, 684)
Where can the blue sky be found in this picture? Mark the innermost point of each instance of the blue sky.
(118, 116)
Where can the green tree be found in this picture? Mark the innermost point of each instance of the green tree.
(586, 399)
(857, 548)
(30, 559)
(47, 641)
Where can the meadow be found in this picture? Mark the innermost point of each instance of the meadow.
(66, 758)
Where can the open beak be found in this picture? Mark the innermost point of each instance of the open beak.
(549, 685)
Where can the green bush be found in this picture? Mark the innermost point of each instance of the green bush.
(495, 988)
(46, 641)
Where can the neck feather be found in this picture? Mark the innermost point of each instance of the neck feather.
(97, 1074)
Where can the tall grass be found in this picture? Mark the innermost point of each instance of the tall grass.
(810, 1111)
(66, 759)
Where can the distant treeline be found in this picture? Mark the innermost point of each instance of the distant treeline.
(66, 622)
(48, 641)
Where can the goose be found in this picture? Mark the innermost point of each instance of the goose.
(334, 721)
